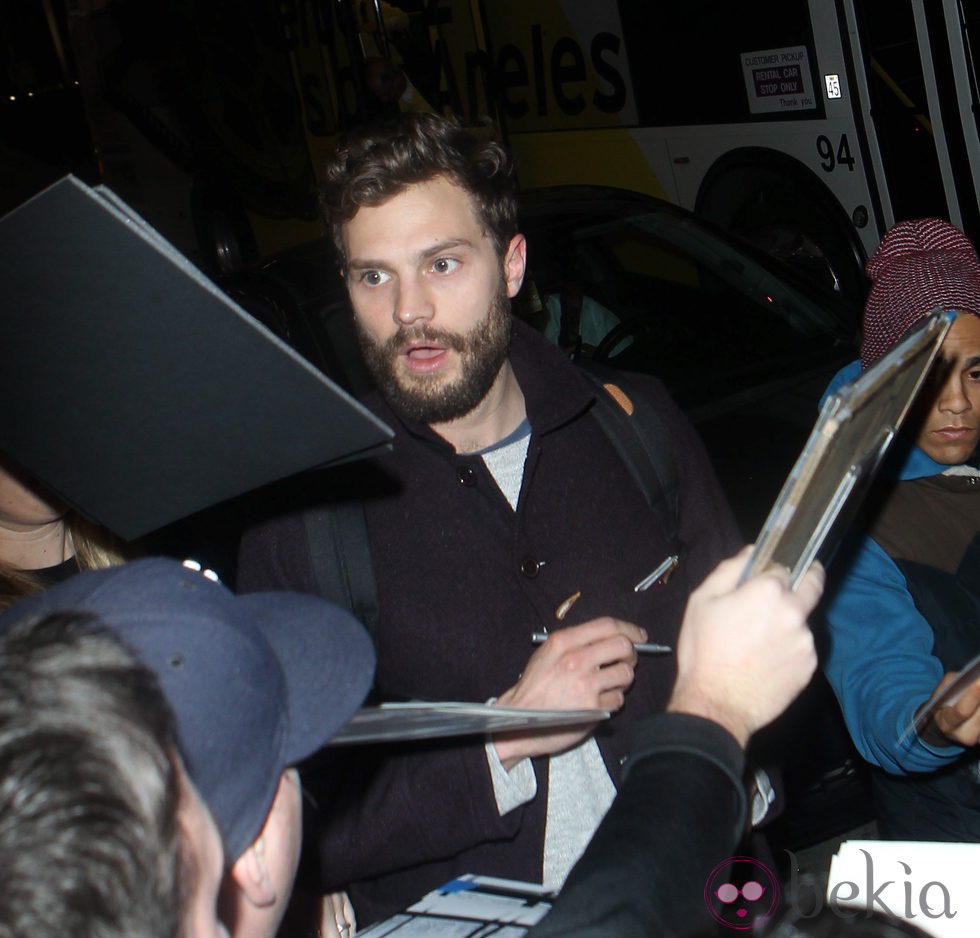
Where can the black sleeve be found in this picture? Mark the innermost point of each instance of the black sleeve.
(376, 822)
(275, 555)
(679, 813)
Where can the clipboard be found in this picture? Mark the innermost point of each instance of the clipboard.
(857, 424)
(133, 387)
(391, 722)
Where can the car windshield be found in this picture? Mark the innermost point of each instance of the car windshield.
(662, 293)
(724, 260)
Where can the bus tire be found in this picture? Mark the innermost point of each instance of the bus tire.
(225, 240)
(775, 202)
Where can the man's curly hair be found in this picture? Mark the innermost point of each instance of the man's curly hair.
(375, 162)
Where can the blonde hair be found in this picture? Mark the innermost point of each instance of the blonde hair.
(93, 547)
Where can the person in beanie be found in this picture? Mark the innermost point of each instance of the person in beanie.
(904, 602)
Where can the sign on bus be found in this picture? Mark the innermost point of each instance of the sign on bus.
(778, 80)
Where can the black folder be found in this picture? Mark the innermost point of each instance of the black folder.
(133, 387)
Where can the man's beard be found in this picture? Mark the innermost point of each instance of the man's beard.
(430, 398)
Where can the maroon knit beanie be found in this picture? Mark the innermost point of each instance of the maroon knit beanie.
(918, 266)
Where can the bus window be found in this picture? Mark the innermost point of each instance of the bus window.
(697, 77)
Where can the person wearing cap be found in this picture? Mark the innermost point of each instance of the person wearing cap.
(257, 683)
(101, 831)
(904, 602)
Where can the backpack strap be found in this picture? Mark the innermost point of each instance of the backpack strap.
(336, 534)
(340, 555)
(639, 437)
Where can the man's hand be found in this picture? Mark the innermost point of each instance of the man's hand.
(745, 652)
(958, 722)
(583, 667)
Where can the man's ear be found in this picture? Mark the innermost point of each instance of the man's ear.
(515, 263)
(250, 875)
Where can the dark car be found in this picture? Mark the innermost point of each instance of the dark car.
(744, 346)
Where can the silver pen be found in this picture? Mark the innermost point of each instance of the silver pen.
(539, 638)
(666, 567)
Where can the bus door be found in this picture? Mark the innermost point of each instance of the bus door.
(920, 105)
(963, 31)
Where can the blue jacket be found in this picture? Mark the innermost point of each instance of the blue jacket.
(880, 660)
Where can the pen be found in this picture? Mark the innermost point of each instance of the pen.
(666, 567)
(540, 638)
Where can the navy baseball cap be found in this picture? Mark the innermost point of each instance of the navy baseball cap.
(257, 682)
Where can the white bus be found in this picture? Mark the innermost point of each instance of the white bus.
(807, 126)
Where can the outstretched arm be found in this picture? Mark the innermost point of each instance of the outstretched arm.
(746, 651)
(743, 655)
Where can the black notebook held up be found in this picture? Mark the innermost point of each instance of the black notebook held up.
(132, 386)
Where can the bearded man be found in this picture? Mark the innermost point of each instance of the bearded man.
(503, 509)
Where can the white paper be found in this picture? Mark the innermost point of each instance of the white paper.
(931, 885)
(506, 908)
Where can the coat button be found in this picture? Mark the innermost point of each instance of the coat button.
(530, 567)
(466, 475)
